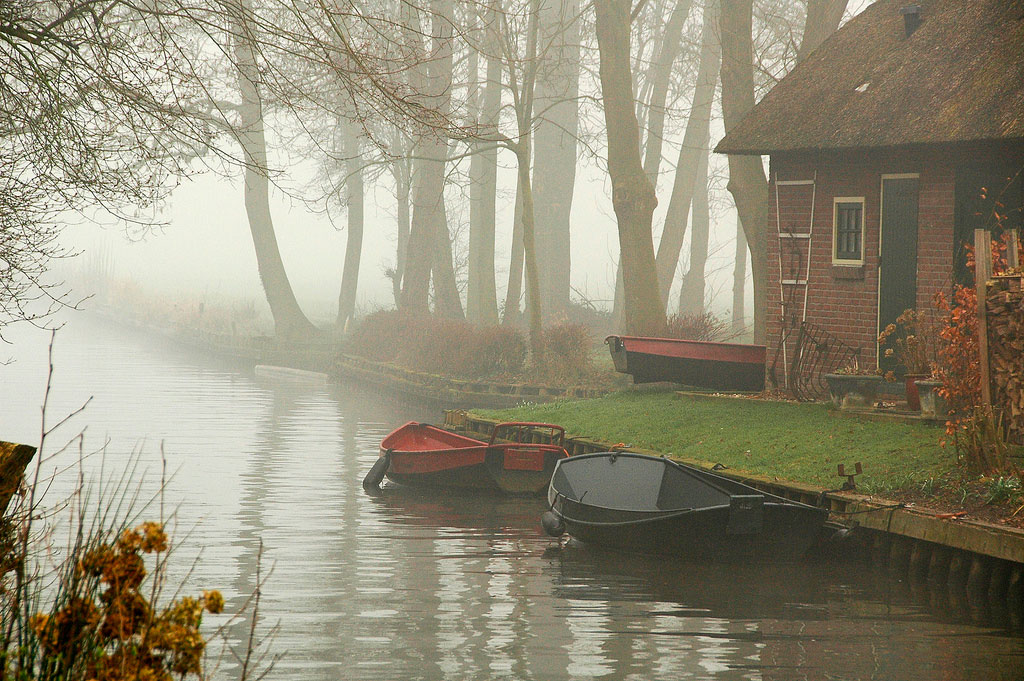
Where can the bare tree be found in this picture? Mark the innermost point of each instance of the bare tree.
(555, 144)
(484, 105)
(350, 133)
(747, 182)
(95, 114)
(694, 147)
(633, 195)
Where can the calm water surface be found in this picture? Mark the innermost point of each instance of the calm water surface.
(427, 586)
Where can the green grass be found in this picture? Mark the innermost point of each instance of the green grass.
(797, 442)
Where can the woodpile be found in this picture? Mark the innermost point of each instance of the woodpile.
(1005, 313)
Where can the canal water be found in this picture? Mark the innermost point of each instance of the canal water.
(405, 585)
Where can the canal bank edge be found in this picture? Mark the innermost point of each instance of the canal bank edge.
(891, 519)
(449, 392)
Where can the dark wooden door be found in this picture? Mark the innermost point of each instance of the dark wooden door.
(897, 275)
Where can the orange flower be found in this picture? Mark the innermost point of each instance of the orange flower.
(214, 601)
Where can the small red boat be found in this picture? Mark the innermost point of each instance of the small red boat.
(703, 364)
(424, 455)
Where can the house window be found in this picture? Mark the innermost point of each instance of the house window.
(848, 231)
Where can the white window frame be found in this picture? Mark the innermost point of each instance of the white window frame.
(835, 229)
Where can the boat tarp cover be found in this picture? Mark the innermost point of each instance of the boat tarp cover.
(634, 483)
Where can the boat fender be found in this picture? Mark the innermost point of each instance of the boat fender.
(842, 535)
(552, 524)
(376, 474)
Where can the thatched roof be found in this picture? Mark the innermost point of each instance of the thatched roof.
(958, 78)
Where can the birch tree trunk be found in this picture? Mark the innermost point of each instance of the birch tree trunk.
(632, 193)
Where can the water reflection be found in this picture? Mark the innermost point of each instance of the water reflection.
(422, 585)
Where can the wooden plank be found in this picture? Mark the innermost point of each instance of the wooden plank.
(982, 273)
(1012, 250)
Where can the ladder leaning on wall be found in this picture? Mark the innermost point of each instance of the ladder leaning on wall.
(800, 282)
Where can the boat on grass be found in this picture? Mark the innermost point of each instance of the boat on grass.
(656, 505)
(733, 367)
(423, 455)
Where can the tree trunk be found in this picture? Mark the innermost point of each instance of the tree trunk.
(554, 165)
(823, 17)
(481, 296)
(534, 304)
(354, 243)
(514, 289)
(691, 296)
(632, 194)
(747, 182)
(739, 283)
(429, 168)
(660, 77)
(289, 320)
(402, 172)
(446, 292)
(690, 154)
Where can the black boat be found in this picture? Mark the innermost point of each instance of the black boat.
(652, 504)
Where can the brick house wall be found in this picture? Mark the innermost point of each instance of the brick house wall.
(843, 299)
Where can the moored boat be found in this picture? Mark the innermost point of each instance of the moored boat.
(703, 364)
(424, 455)
(656, 505)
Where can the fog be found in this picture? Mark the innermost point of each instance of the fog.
(204, 248)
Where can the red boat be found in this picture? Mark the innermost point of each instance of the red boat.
(424, 455)
(703, 364)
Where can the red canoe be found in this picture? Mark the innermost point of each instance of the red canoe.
(424, 455)
(715, 366)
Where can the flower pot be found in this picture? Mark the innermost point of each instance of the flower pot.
(933, 405)
(852, 391)
(913, 398)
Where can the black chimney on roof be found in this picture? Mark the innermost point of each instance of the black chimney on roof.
(911, 18)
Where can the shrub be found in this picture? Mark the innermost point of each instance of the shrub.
(700, 327)
(378, 336)
(437, 345)
(977, 432)
(568, 353)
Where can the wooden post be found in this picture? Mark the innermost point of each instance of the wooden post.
(1012, 250)
(982, 273)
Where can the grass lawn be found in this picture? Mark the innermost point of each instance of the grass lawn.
(798, 442)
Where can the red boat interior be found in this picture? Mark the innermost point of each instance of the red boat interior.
(423, 437)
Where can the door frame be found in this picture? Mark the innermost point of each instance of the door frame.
(881, 208)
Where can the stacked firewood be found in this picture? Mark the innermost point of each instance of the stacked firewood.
(1005, 313)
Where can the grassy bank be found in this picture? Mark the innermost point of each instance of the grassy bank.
(798, 442)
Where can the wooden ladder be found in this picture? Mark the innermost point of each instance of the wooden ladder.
(801, 278)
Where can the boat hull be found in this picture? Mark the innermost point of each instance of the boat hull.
(633, 502)
(425, 456)
(713, 366)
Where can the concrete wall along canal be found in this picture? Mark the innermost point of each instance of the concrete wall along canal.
(963, 565)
